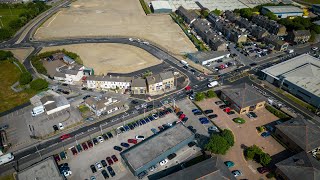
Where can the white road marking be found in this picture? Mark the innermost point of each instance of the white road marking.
(53, 18)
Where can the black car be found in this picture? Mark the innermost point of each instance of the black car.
(55, 128)
(253, 64)
(95, 141)
(109, 134)
(93, 168)
(230, 112)
(185, 119)
(142, 174)
(161, 114)
(208, 111)
(150, 106)
(105, 137)
(85, 97)
(192, 70)
(134, 102)
(64, 84)
(212, 116)
(131, 126)
(197, 113)
(111, 172)
(186, 67)
(104, 163)
(105, 174)
(191, 144)
(84, 89)
(171, 156)
(170, 110)
(117, 148)
(223, 106)
(179, 113)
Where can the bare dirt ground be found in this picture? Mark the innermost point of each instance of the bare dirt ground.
(110, 58)
(115, 18)
(21, 54)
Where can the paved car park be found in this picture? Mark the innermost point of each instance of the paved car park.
(245, 135)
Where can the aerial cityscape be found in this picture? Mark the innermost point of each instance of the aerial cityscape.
(159, 89)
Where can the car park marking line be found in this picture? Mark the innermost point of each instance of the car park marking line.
(252, 169)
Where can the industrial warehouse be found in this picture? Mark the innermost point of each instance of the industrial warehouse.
(151, 151)
(283, 11)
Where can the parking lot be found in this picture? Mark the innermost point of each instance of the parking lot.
(245, 135)
(80, 163)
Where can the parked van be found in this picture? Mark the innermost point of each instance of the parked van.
(37, 110)
(6, 158)
(184, 62)
(213, 84)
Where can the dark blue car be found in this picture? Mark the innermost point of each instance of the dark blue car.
(203, 119)
(195, 110)
(150, 118)
(125, 145)
(265, 134)
(143, 121)
(127, 128)
(147, 120)
(204, 122)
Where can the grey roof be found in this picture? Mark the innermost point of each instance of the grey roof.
(139, 82)
(109, 78)
(50, 106)
(302, 33)
(166, 75)
(59, 74)
(153, 79)
(149, 149)
(210, 169)
(304, 133)
(100, 103)
(41, 171)
(283, 9)
(204, 56)
(161, 5)
(189, 15)
(45, 99)
(303, 71)
(243, 95)
(300, 166)
(275, 39)
(67, 59)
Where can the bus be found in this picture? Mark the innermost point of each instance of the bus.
(6, 158)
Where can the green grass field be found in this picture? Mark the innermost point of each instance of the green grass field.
(9, 15)
(9, 74)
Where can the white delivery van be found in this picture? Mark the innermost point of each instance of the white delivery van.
(6, 158)
(37, 110)
(213, 84)
(184, 62)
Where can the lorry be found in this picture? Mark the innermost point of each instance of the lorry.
(184, 63)
(213, 84)
(37, 110)
(6, 158)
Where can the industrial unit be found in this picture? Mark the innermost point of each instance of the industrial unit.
(300, 76)
(283, 11)
(204, 58)
(161, 7)
(151, 151)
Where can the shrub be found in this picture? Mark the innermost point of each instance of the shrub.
(4, 55)
(260, 129)
(228, 135)
(255, 153)
(36, 63)
(25, 78)
(276, 112)
(264, 159)
(39, 84)
(200, 96)
(211, 94)
(239, 120)
(217, 145)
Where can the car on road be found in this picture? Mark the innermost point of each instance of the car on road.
(95, 141)
(139, 137)
(109, 160)
(208, 111)
(117, 148)
(163, 162)
(236, 173)
(65, 136)
(126, 145)
(109, 135)
(93, 168)
(252, 115)
(265, 134)
(212, 116)
(90, 144)
(132, 141)
(74, 151)
(263, 170)
(98, 165)
(111, 172)
(229, 164)
(105, 174)
(104, 163)
(171, 156)
(114, 158)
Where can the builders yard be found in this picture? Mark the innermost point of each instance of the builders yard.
(111, 58)
(115, 18)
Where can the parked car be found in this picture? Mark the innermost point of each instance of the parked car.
(212, 116)
(185, 119)
(109, 160)
(89, 119)
(160, 128)
(219, 103)
(265, 134)
(134, 102)
(236, 173)
(230, 112)
(197, 113)
(195, 110)
(152, 168)
(191, 144)
(90, 144)
(56, 157)
(74, 151)
(204, 122)
(170, 110)
(213, 129)
(208, 111)
(132, 141)
(142, 174)
(65, 136)
(263, 170)
(109, 134)
(93, 168)
(154, 131)
(252, 115)
(105, 137)
(126, 145)
(155, 116)
(229, 164)
(104, 163)
(182, 116)
(100, 139)
(105, 174)
(111, 172)
(63, 155)
(117, 148)
(84, 146)
(171, 156)
(163, 162)
(114, 158)
(79, 148)
(95, 141)
(223, 106)
(98, 165)
(179, 113)
(140, 137)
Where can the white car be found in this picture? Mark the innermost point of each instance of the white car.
(67, 173)
(61, 126)
(314, 48)
(140, 137)
(152, 168)
(154, 116)
(100, 139)
(163, 162)
(99, 166)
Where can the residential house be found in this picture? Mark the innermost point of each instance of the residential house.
(299, 166)
(121, 84)
(138, 86)
(299, 134)
(299, 36)
(66, 59)
(72, 73)
(167, 80)
(259, 32)
(154, 84)
(272, 26)
(188, 16)
(277, 43)
(243, 98)
(216, 43)
(104, 105)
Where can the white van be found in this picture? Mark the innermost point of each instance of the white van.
(213, 84)
(37, 110)
(184, 62)
(6, 158)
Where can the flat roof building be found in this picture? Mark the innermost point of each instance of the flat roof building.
(283, 11)
(204, 58)
(300, 76)
(43, 170)
(156, 148)
(161, 7)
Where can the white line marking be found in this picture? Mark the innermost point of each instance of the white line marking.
(53, 18)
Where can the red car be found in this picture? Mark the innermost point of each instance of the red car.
(133, 141)
(65, 136)
(90, 144)
(114, 157)
(227, 109)
(263, 170)
(84, 146)
(188, 88)
(74, 151)
(56, 157)
(110, 162)
(182, 116)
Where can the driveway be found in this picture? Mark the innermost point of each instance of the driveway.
(245, 135)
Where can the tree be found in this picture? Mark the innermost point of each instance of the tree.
(25, 78)
(246, 13)
(228, 135)
(39, 84)
(216, 12)
(204, 13)
(249, 153)
(217, 145)
(264, 159)
(313, 36)
(199, 96)
(211, 94)
(271, 16)
(4, 55)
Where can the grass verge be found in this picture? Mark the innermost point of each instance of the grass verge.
(145, 7)
(7, 177)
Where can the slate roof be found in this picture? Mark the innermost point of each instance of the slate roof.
(45, 99)
(109, 78)
(50, 106)
(301, 33)
(166, 75)
(210, 169)
(154, 79)
(304, 133)
(205, 56)
(243, 95)
(300, 166)
(138, 82)
(68, 60)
